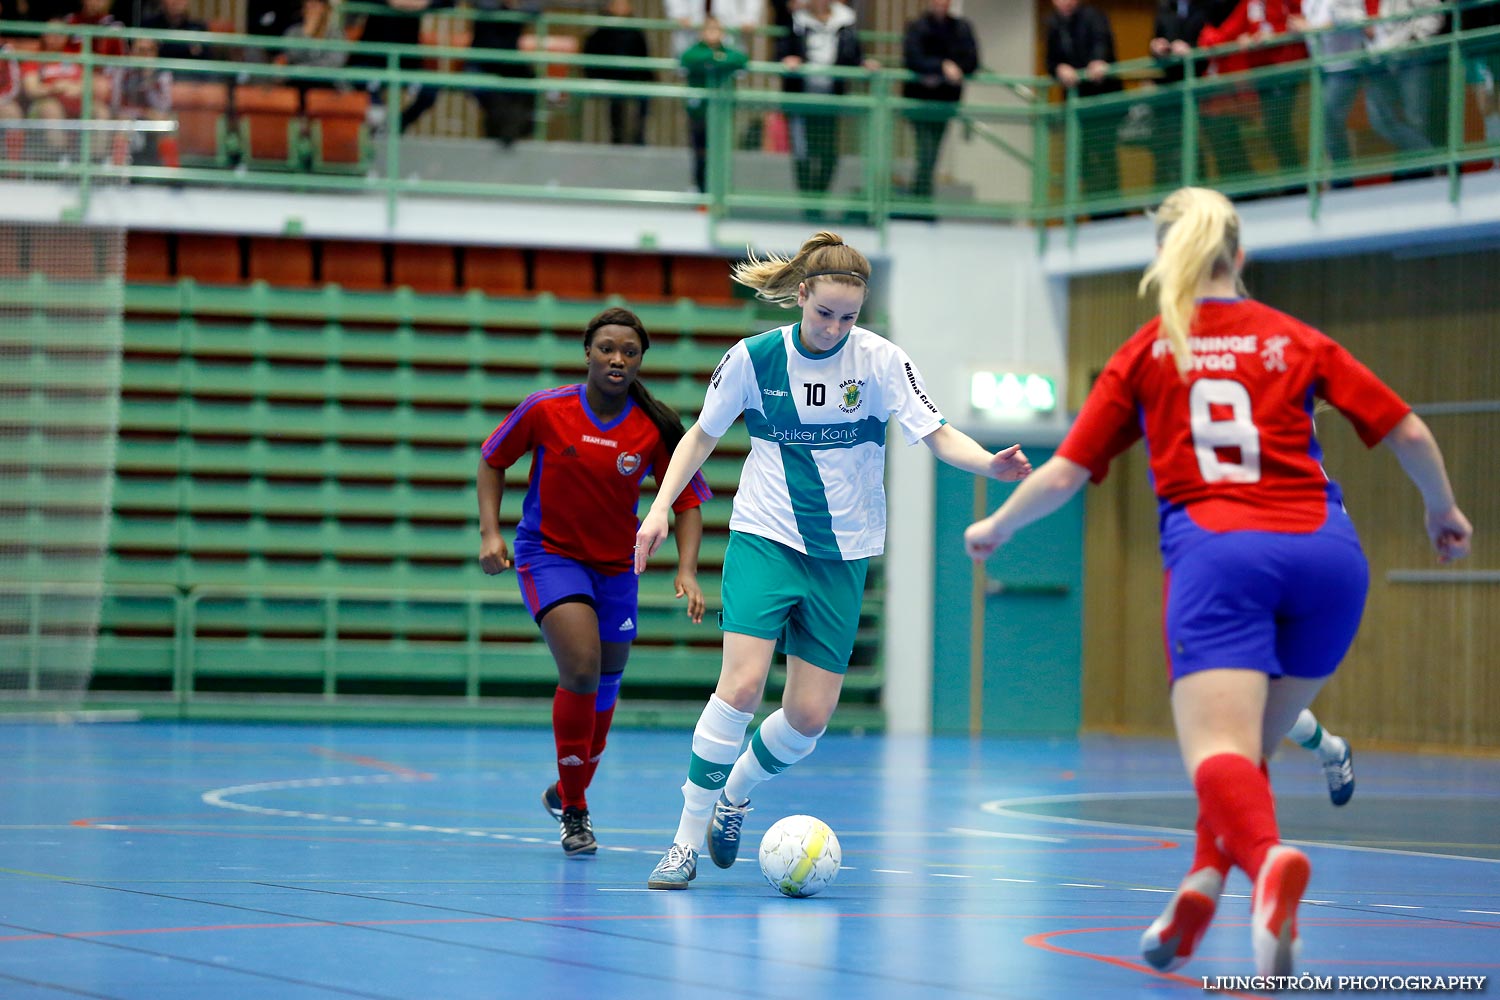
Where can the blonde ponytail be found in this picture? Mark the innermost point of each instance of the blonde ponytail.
(1198, 238)
(825, 256)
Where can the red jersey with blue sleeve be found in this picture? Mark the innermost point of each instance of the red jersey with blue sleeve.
(586, 475)
(1234, 443)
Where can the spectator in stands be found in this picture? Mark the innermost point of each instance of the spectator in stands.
(941, 50)
(1251, 23)
(742, 17)
(317, 24)
(1398, 89)
(54, 89)
(627, 115)
(1341, 77)
(175, 16)
(144, 92)
(1080, 51)
(11, 108)
(709, 64)
(507, 113)
(823, 33)
(271, 17)
(403, 26)
(1482, 63)
(97, 12)
(1222, 110)
(1174, 33)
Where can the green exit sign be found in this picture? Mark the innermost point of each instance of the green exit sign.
(1013, 394)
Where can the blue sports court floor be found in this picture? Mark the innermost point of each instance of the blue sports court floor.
(155, 861)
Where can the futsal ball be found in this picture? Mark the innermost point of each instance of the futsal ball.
(799, 855)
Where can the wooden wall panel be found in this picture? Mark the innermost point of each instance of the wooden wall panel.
(1421, 671)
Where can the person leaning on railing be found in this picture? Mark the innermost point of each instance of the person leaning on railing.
(507, 113)
(1398, 89)
(1256, 21)
(1080, 52)
(1337, 28)
(708, 64)
(627, 115)
(941, 49)
(1174, 32)
(823, 33)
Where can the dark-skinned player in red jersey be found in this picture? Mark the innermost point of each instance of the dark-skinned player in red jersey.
(592, 445)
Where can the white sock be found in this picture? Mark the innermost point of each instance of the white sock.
(1332, 747)
(1306, 730)
(716, 743)
(775, 747)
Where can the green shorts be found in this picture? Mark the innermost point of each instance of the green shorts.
(810, 605)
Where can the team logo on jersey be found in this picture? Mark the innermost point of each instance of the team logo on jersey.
(852, 397)
(1273, 355)
(627, 462)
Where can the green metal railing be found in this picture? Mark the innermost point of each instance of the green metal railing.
(1027, 159)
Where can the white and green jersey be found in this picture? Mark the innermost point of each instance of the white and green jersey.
(815, 478)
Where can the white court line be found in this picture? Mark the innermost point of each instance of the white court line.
(892, 871)
(1488, 913)
(1392, 906)
(1080, 885)
(946, 875)
(1028, 881)
(1008, 836)
(1008, 807)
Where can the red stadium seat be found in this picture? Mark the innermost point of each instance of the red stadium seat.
(285, 263)
(355, 265)
(202, 110)
(338, 135)
(497, 271)
(640, 277)
(270, 128)
(702, 279)
(212, 260)
(568, 274)
(148, 257)
(424, 268)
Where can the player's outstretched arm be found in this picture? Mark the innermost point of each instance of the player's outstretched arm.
(1421, 458)
(494, 557)
(957, 449)
(1043, 492)
(687, 458)
(688, 528)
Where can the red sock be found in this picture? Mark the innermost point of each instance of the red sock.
(573, 731)
(596, 749)
(1234, 800)
(1206, 853)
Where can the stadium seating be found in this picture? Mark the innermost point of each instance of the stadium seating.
(294, 508)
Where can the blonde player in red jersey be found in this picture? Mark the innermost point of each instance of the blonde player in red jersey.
(1266, 579)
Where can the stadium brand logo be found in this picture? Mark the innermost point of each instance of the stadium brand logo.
(627, 462)
(851, 398)
(774, 392)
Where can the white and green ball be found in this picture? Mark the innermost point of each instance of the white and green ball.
(799, 855)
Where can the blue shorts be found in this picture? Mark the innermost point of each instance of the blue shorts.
(1286, 604)
(548, 580)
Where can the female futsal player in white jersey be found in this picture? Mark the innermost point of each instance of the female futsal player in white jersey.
(808, 515)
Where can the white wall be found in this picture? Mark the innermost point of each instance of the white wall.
(963, 297)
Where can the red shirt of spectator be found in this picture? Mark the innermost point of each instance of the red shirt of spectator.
(1259, 19)
(104, 45)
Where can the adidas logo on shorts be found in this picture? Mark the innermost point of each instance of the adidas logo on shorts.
(627, 625)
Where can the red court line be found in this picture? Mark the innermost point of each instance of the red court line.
(373, 762)
(1044, 942)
